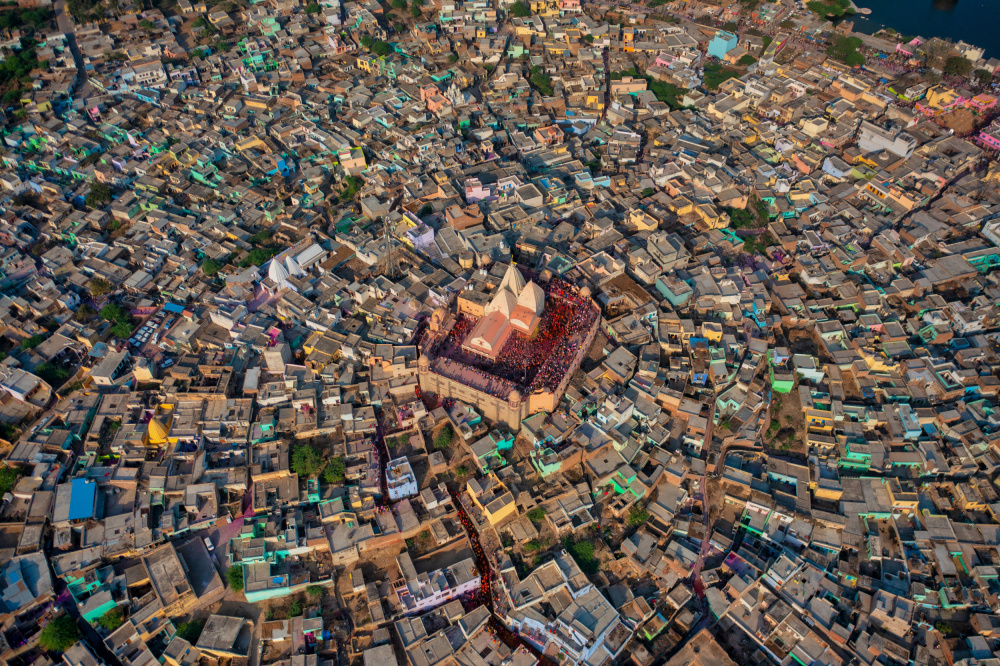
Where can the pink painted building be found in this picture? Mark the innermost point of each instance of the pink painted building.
(910, 47)
(476, 191)
(983, 102)
(572, 6)
(990, 137)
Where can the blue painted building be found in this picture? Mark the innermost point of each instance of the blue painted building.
(721, 44)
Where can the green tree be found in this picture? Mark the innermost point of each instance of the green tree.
(115, 312)
(53, 374)
(415, 11)
(647, 192)
(295, 609)
(84, 313)
(519, 10)
(314, 591)
(99, 194)
(210, 267)
(312, 8)
(306, 460)
(122, 329)
(32, 342)
(637, 516)
(98, 286)
(537, 514)
(444, 437)
(9, 475)
(191, 631)
(235, 577)
(335, 470)
(400, 4)
(746, 60)
(147, 25)
(957, 66)
(583, 553)
(541, 80)
(983, 76)
(59, 635)
(259, 256)
(452, 58)
(113, 619)
(8, 432)
(589, 39)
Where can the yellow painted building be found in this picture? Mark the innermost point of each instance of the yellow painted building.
(492, 498)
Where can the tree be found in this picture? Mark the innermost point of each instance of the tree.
(191, 631)
(312, 8)
(537, 514)
(9, 432)
(114, 312)
(957, 66)
(9, 474)
(306, 460)
(647, 192)
(415, 11)
(113, 619)
(295, 608)
(98, 286)
(444, 437)
(589, 39)
(59, 635)
(519, 10)
(637, 516)
(210, 267)
(147, 25)
(583, 553)
(53, 374)
(32, 342)
(787, 24)
(335, 470)
(235, 577)
(452, 58)
(399, 4)
(122, 329)
(746, 60)
(99, 194)
(983, 76)
(541, 80)
(314, 591)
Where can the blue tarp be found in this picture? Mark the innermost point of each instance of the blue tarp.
(173, 308)
(81, 499)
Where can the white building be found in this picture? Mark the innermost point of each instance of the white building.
(421, 592)
(401, 480)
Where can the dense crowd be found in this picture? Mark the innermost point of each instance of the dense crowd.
(539, 362)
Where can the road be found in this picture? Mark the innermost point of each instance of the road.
(487, 575)
(68, 28)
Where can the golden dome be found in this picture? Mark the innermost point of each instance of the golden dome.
(157, 432)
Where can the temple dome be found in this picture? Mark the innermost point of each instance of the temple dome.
(532, 297)
(513, 280)
(157, 432)
(277, 272)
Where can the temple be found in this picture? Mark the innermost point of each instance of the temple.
(515, 306)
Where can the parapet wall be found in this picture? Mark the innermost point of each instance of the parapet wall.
(499, 410)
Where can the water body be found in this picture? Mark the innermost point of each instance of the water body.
(973, 21)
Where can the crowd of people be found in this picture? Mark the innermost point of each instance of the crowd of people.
(488, 592)
(538, 362)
